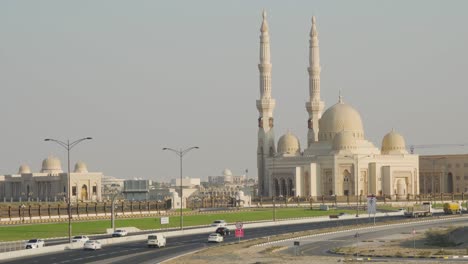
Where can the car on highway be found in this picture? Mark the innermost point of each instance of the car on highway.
(81, 239)
(35, 243)
(119, 233)
(92, 244)
(224, 231)
(215, 237)
(156, 240)
(219, 223)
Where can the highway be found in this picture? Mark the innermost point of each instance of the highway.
(137, 252)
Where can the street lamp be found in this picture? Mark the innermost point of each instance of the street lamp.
(22, 211)
(357, 158)
(114, 195)
(181, 153)
(68, 146)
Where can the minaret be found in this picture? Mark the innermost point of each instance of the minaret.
(315, 105)
(265, 105)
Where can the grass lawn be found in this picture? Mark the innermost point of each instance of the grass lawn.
(23, 232)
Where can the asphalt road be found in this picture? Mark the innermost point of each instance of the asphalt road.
(137, 252)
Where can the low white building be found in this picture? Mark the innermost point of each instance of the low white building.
(227, 177)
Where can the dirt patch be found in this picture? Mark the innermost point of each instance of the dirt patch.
(434, 242)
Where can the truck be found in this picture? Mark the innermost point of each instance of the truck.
(452, 208)
(417, 210)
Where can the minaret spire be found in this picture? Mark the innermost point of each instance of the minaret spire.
(315, 105)
(265, 105)
(265, 64)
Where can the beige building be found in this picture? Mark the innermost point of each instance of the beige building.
(228, 178)
(443, 173)
(51, 183)
(337, 158)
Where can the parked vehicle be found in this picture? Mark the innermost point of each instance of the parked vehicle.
(119, 233)
(92, 244)
(417, 210)
(224, 231)
(215, 237)
(452, 208)
(35, 243)
(156, 240)
(81, 239)
(219, 223)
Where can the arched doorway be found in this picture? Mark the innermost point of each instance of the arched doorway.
(450, 182)
(84, 192)
(276, 187)
(346, 182)
(283, 187)
(290, 188)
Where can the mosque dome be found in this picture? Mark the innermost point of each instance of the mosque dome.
(288, 144)
(226, 172)
(393, 143)
(24, 169)
(80, 167)
(340, 117)
(51, 165)
(344, 140)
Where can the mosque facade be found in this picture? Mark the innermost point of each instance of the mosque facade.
(337, 159)
(51, 183)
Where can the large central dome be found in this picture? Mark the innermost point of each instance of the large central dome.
(340, 117)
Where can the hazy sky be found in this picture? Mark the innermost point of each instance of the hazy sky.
(138, 76)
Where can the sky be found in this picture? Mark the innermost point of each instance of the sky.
(138, 76)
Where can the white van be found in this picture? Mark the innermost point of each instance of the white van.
(156, 240)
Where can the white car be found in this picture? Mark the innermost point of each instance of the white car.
(219, 223)
(81, 239)
(35, 243)
(119, 233)
(156, 240)
(92, 244)
(215, 237)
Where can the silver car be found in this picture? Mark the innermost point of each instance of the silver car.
(35, 243)
(92, 244)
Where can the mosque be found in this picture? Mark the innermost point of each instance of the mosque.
(337, 159)
(50, 184)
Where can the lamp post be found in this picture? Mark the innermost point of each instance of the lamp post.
(357, 158)
(114, 195)
(22, 211)
(68, 146)
(181, 153)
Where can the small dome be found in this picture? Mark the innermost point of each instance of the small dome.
(80, 167)
(340, 117)
(393, 143)
(344, 141)
(24, 169)
(51, 165)
(288, 144)
(226, 172)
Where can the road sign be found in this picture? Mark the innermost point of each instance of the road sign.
(239, 232)
(371, 204)
(239, 225)
(164, 220)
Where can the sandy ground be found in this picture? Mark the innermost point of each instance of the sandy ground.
(244, 252)
(239, 253)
